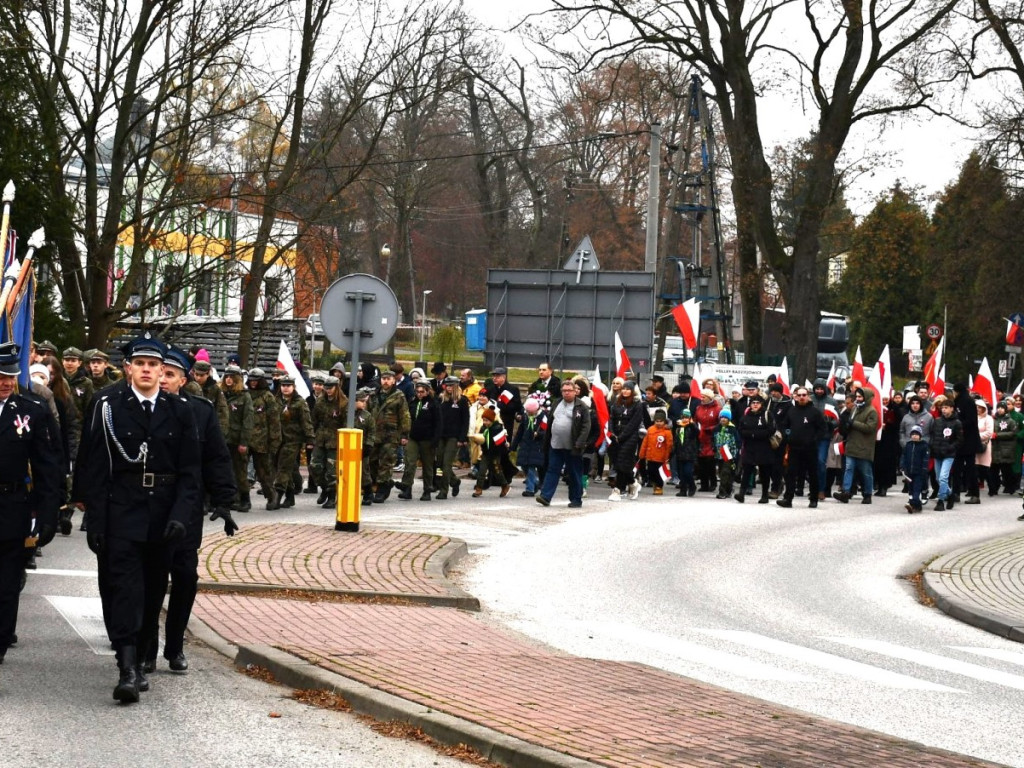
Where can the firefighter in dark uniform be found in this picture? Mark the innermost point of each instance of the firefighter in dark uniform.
(139, 478)
(219, 485)
(29, 449)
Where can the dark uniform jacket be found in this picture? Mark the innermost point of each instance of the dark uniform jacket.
(121, 501)
(425, 419)
(28, 437)
(510, 404)
(218, 477)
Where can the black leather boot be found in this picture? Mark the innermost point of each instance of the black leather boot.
(273, 498)
(289, 498)
(127, 689)
(383, 491)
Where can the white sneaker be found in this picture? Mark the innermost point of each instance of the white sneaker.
(634, 490)
(400, 467)
(615, 495)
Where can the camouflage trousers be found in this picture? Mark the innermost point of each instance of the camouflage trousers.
(263, 463)
(240, 468)
(382, 462)
(288, 467)
(419, 451)
(322, 467)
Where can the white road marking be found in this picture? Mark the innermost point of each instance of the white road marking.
(694, 652)
(828, 661)
(933, 660)
(59, 572)
(1013, 657)
(85, 615)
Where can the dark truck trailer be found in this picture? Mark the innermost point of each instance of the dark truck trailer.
(833, 339)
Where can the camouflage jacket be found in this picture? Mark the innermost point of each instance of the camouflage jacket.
(328, 418)
(82, 391)
(215, 395)
(240, 418)
(296, 424)
(266, 422)
(365, 422)
(391, 416)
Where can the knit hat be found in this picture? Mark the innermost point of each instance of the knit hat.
(686, 414)
(39, 370)
(531, 406)
(202, 355)
(659, 415)
(706, 393)
(725, 414)
(489, 414)
(916, 430)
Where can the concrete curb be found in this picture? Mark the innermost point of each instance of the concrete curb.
(962, 610)
(437, 567)
(497, 747)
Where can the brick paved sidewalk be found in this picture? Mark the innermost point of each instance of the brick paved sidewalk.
(450, 661)
(410, 566)
(982, 585)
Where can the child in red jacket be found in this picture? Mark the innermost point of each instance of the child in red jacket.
(656, 449)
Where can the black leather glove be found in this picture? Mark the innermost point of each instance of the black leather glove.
(230, 526)
(96, 541)
(46, 534)
(174, 531)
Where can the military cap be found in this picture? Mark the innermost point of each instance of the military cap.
(48, 347)
(144, 346)
(179, 358)
(422, 385)
(203, 366)
(233, 370)
(256, 373)
(364, 393)
(386, 374)
(98, 354)
(500, 371)
(72, 352)
(331, 381)
(10, 363)
(449, 381)
(286, 379)
(317, 378)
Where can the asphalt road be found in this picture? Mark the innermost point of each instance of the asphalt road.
(801, 607)
(56, 707)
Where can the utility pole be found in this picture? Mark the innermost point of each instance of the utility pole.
(653, 200)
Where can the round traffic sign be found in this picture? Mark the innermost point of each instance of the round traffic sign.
(933, 331)
(379, 312)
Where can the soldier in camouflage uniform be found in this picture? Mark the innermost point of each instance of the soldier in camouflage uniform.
(391, 426)
(328, 417)
(266, 434)
(201, 374)
(78, 380)
(99, 365)
(365, 421)
(239, 431)
(296, 434)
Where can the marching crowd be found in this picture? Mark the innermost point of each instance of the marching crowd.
(148, 451)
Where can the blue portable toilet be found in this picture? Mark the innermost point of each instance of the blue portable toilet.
(476, 330)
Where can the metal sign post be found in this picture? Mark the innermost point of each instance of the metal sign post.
(356, 309)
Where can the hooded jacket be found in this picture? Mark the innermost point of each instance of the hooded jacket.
(860, 442)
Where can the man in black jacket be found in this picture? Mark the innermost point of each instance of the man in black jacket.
(424, 437)
(803, 425)
(139, 476)
(183, 564)
(28, 439)
(965, 471)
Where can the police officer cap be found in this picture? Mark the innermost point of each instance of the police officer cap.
(179, 358)
(203, 366)
(286, 380)
(47, 347)
(256, 373)
(72, 352)
(499, 371)
(9, 362)
(146, 346)
(331, 381)
(98, 354)
(233, 370)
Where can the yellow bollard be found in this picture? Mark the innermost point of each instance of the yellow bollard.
(349, 466)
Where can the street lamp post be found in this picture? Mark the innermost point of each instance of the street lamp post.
(423, 321)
